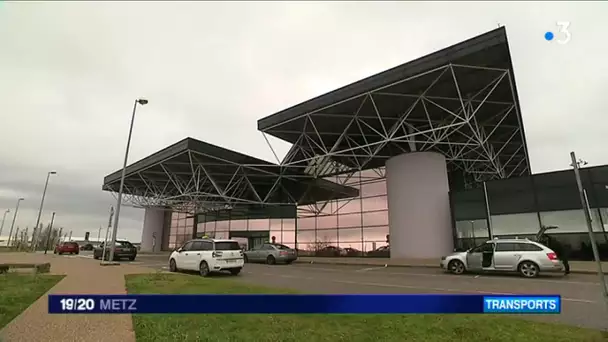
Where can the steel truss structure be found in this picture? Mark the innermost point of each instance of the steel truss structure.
(195, 181)
(467, 113)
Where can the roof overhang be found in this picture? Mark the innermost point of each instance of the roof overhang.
(460, 101)
(192, 175)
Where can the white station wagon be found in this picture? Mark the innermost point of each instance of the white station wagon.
(207, 256)
(524, 256)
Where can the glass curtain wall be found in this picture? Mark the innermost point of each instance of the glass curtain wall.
(519, 206)
(348, 227)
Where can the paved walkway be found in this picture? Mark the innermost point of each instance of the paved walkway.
(82, 276)
(585, 267)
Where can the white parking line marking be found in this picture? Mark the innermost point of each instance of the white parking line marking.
(438, 289)
(452, 276)
(369, 269)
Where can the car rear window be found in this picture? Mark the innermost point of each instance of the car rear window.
(125, 244)
(71, 244)
(227, 246)
(281, 246)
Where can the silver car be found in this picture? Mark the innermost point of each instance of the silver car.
(524, 256)
(271, 253)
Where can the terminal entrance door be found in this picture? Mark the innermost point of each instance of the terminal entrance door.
(251, 239)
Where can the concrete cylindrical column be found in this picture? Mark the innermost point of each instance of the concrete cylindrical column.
(420, 222)
(154, 222)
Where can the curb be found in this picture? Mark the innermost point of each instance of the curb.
(341, 263)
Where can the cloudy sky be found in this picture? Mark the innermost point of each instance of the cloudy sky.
(69, 73)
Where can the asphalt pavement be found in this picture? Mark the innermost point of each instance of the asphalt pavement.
(582, 302)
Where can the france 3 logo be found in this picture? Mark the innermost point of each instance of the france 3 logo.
(562, 36)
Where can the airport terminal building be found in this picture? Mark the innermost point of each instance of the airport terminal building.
(410, 163)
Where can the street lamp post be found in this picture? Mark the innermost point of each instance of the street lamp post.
(3, 218)
(14, 218)
(48, 237)
(586, 211)
(46, 184)
(122, 178)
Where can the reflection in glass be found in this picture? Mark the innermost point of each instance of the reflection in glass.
(289, 224)
(570, 221)
(375, 203)
(210, 226)
(288, 236)
(349, 220)
(277, 235)
(306, 223)
(375, 218)
(352, 205)
(373, 188)
(327, 236)
(377, 234)
(259, 224)
(514, 224)
(350, 235)
(324, 222)
(306, 240)
(238, 225)
(222, 226)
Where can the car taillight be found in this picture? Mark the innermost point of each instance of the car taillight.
(216, 254)
(283, 253)
(552, 256)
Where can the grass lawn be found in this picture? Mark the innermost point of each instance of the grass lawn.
(18, 291)
(258, 328)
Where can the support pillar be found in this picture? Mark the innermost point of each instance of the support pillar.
(154, 223)
(419, 206)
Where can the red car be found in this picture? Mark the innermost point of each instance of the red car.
(67, 247)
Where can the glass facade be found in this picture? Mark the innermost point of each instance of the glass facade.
(350, 227)
(519, 206)
(180, 230)
(358, 226)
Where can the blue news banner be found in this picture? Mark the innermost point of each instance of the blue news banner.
(303, 304)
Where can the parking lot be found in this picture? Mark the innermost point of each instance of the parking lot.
(582, 301)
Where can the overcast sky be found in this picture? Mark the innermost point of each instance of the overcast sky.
(69, 73)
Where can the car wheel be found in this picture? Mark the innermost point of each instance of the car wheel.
(95, 257)
(172, 266)
(131, 258)
(288, 262)
(245, 258)
(203, 269)
(60, 253)
(456, 267)
(271, 260)
(235, 271)
(528, 269)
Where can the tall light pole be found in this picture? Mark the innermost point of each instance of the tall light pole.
(14, 218)
(3, 218)
(585, 206)
(122, 177)
(46, 184)
(48, 237)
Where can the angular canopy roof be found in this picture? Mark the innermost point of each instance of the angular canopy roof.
(195, 173)
(460, 101)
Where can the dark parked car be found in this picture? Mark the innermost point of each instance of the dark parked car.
(380, 252)
(87, 247)
(66, 247)
(123, 250)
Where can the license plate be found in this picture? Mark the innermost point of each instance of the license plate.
(231, 261)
